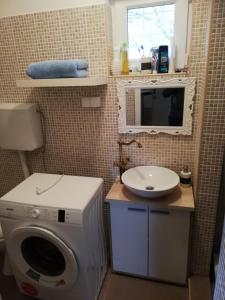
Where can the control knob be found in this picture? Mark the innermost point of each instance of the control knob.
(35, 213)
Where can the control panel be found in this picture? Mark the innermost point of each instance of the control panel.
(16, 211)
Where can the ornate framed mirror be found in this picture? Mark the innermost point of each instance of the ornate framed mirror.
(156, 105)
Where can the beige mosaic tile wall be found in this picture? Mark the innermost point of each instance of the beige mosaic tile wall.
(130, 107)
(83, 141)
(212, 143)
(82, 32)
(201, 20)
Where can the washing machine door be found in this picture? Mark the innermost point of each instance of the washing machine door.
(43, 257)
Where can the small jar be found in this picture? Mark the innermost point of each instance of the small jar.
(146, 65)
(185, 177)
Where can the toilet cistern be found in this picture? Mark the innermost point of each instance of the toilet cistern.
(123, 160)
(20, 129)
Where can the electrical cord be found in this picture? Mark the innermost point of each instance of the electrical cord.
(40, 191)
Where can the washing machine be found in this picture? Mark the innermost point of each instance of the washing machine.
(53, 229)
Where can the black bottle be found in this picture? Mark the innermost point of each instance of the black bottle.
(163, 60)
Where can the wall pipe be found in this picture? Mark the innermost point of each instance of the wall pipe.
(23, 159)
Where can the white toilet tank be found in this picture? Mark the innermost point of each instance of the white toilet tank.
(20, 126)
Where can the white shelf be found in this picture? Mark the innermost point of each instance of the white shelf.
(62, 82)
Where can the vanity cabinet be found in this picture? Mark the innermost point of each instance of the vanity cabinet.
(129, 232)
(150, 239)
(168, 245)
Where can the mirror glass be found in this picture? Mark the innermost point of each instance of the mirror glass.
(155, 106)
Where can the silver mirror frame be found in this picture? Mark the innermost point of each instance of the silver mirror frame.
(187, 82)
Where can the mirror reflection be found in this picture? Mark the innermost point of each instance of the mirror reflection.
(155, 106)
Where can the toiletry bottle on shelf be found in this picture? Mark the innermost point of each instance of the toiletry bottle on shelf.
(185, 177)
(154, 58)
(172, 56)
(163, 59)
(124, 60)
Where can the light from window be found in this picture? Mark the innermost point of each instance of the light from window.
(149, 27)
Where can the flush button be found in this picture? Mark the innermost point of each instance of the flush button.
(35, 213)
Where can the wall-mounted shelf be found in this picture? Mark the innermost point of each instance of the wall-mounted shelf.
(62, 82)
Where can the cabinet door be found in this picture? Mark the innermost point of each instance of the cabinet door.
(129, 233)
(168, 245)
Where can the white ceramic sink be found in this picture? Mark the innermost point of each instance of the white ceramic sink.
(150, 181)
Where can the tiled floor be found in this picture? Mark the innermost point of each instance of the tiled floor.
(116, 287)
(199, 288)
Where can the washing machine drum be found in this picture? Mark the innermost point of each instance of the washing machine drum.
(42, 256)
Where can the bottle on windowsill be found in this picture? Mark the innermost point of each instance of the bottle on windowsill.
(163, 60)
(124, 60)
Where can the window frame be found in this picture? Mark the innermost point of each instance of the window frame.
(162, 3)
(182, 24)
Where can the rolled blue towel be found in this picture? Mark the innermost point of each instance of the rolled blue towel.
(58, 69)
(81, 73)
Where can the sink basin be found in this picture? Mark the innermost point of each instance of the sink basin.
(150, 181)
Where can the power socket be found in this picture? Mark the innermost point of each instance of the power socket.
(91, 101)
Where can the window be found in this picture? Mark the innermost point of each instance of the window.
(150, 23)
(149, 27)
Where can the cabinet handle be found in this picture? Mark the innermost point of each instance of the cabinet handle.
(137, 209)
(162, 212)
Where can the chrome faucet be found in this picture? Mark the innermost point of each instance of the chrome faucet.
(123, 161)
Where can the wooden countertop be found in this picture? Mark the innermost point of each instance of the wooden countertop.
(180, 198)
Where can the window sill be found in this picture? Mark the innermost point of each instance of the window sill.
(139, 74)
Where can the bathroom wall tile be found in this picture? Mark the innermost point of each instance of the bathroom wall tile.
(74, 33)
(198, 65)
(97, 37)
(10, 170)
(212, 145)
(26, 44)
(48, 36)
(8, 65)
